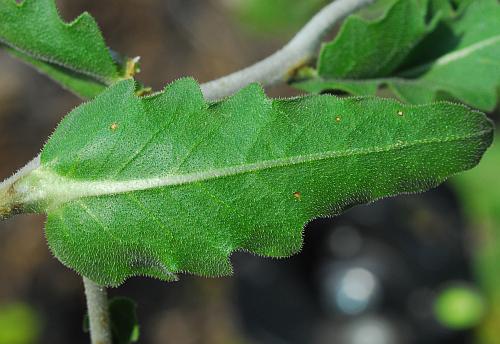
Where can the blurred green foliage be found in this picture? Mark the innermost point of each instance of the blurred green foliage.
(459, 307)
(420, 51)
(19, 324)
(124, 322)
(275, 16)
(479, 191)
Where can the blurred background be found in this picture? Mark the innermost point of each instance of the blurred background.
(412, 269)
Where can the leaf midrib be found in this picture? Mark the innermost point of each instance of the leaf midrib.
(453, 56)
(55, 189)
(40, 57)
(408, 76)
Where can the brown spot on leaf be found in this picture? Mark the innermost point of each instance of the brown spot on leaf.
(297, 195)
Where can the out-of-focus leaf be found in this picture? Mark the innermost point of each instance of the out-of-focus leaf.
(375, 10)
(73, 54)
(276, 16)
(458, 59)
(19, 324)
(459, 307)
(124, 323)
(479, 191)
(170, 183)
(123, 317)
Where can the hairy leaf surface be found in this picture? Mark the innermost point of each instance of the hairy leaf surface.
(458, 58)
(367, 48)
(73, 54)
(170, 183)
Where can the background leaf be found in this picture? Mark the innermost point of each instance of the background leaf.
(458, 59)
(82, 85)
(168, 183)
(480, 197)
(373, 48)
(73, 54)
(277, 16)
(19, 324)
(124, 323)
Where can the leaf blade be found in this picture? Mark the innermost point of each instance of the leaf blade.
(73, 54)
(456, 60)
(351, 61)
(83, 86)
(302, 158)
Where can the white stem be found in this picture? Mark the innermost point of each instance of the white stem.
(280, 66)
(30, 166)
(9, 202)
(97, 305)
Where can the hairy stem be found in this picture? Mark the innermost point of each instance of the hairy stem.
(281, 66)
(97, 305)
(10, 203)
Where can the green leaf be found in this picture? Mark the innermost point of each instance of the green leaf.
(168, 183)
(73, 54)
(82, 85)
(277, 16)
(458, 59)
(375, 10)
(481, 201)
(366, 48)
(124, 322)
(19, 324)
(479, 197)
(459, 307)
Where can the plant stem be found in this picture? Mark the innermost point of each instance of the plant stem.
(281, 66)
(10, 203)
(97, 305)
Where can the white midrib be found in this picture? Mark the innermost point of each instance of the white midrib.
(456, 55)
(462, 53)
(44, 186)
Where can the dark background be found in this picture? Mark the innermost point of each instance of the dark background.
(401, 251)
